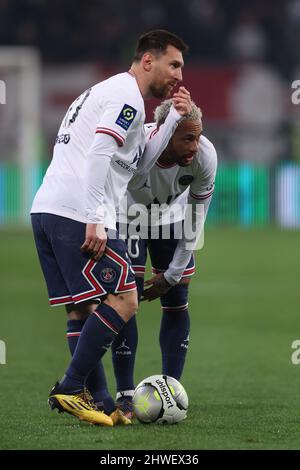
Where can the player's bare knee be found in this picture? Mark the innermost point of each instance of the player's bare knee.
(125, 304)
(132, 306)
(80, 311)
(128, 303)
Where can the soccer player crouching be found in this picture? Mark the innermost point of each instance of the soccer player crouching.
(181, 183)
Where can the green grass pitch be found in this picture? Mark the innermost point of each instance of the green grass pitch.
(242, 386)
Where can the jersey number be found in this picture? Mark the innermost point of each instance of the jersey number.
(75, 107)
(133, 246)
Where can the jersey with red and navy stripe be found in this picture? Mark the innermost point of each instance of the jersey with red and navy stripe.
(175, 185)
(113, 107)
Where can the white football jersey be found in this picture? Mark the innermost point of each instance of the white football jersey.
(173, 185)
(171, 188)
(114, 107)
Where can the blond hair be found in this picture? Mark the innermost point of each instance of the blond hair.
(162, 111)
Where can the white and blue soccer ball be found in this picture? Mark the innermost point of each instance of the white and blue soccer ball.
(160, 399)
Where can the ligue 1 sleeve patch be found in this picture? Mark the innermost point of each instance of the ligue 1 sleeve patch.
(126, 116)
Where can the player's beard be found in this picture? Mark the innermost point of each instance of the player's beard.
(161, 92)
(183, 164)
(183, 161)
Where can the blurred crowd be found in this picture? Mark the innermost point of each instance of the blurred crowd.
(243, 59)
(216, 30)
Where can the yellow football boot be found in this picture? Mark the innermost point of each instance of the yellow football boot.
(119, 418)
(80, 405)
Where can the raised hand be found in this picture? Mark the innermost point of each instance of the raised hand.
(159, 286)
(182, 101)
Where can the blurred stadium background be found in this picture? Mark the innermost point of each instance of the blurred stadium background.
(244, 57)
(242, 62)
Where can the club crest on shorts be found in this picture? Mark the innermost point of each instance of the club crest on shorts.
(108, 275)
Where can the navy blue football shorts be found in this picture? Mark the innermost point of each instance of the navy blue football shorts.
(161, 253)
(72, 276)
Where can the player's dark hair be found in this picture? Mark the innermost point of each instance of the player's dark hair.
(157, 42)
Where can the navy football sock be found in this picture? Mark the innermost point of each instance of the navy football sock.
(100, 329)
(74, 328)
(124, 349)
(123, 355)
(96, 381)
(174, 340)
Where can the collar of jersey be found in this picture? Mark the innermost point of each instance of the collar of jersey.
(164, 165)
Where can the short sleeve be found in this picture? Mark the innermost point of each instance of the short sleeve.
(118, 119)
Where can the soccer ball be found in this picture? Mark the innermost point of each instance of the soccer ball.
(160, 399)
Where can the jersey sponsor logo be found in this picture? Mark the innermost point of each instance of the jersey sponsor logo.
(126, 116)
(125, 350)
(185, 343)
(185, 180)
(125, 166)
(63, 139)
(108, 275)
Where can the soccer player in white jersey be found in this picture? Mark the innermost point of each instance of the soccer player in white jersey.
(97, 150)
(183, 174)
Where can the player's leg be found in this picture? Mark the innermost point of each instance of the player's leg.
(87, 280)
(175, 322)
(58, 291)
(59, 294)
(174, 329)
(111, 274)
(96, 336)
(96, 382)
(125, 345)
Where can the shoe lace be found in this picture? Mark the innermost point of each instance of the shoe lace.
(124, 404)
(87, 398)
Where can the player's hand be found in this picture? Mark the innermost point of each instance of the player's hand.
(159, 286)
(95, 241)
(182, 101)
